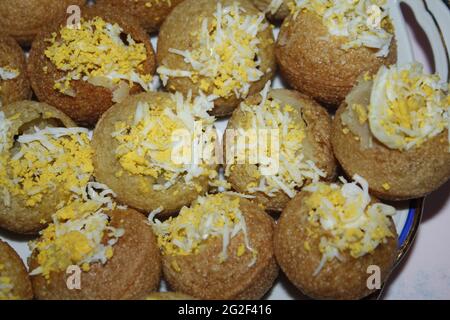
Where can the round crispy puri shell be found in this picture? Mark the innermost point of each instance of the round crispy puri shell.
(16, 271)
(312, 61)
(337, 280)
(134, 269)
(410, 174)
(127, 186)
(18, 217)
(202, 276)
(281, 14)
(11, 55)
(149, 13)
(177, 33)
(24, 19)
(90, 101)
(317, 140)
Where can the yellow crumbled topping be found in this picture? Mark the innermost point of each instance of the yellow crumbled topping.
(79, 235)
(408, 107)
(97, 53)
(363, 22)
(170, 140)
(227, 60)
(211, 216)
(6, 285)
(277, 134)
(42, 161)
(386, 186)
(351, 222)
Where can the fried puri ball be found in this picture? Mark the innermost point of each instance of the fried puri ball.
(23, 210)
(316, 62)
(230, 62)
(167, 296)
(275, 9)
(131, 269)
(14, 281)
(24, 19)
(149, 13)
(330, 259)
(304, 134)
(224, 250)
(376, 133)
(14, 84)
(134, 153)
(71, 70)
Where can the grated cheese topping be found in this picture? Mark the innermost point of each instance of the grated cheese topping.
(80, 234)
(294, 169)
(151, 147)
(407, 107)
(352, 223)
(211, 216)
(355, 19)
(97, 53)
(227, 61)
(43, 160)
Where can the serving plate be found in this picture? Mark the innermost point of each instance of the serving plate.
(433, 16)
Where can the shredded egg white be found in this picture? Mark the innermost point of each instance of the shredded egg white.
(209, 217)
(293, 168)
(41, 161)
(96, 53)
(79, 235)
(149, 145)
(7, 73)
(408, 107)
(355, 19)
(352, 223)
(227, 59)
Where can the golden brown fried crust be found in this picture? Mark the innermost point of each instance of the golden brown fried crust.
(167, 296)
(134, 269)
(337, 280)
(281, 14)
(14, 269)
(18, 217)
(317, 141)
(177, 33)
(313, 62)
(11, 55)
(203, 276)
(128, 187)
(149, 13)
(24, 19)
(90, 101)
(410, 174)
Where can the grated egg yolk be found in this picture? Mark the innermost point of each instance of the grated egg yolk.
(41, 161)
(97, 53)
(6, 285)
(351, 222)
(149, 146)
(226, 61)
(408, 107)
(285, 146)
(79, 235)
(363, 22)
(211, 216)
